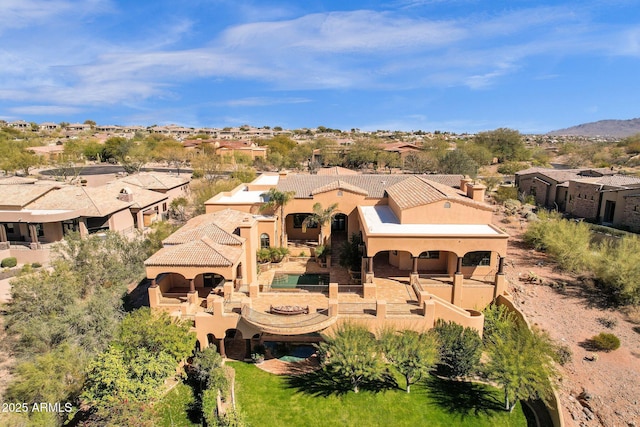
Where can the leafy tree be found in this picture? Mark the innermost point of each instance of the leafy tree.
(244, 174)
(114, 378)
(363, 153)
(458, 162)
(178, 208)
(351, 354)
(460, 349)
(90, 123)
(421, 162)
(479, 153)
(322, 217)
(277, 200)
(505, 144)
(156, 332)
(109, 260)
(413, 354)
(522, 362)
(54, 376)
(160, 231)
(388, 160)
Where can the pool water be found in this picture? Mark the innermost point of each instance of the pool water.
(306, 281)
(298, 353)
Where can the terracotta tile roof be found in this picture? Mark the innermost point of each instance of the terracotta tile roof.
(336, 170)
(141, 197)
(374, 184)
(419, 190)
(210, 230)
(152, 181)
(203, 252)
(218, 226)
(339, 185)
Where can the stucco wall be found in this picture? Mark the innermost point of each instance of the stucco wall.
(438, 213)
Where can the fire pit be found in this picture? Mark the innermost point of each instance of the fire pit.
(288, 310)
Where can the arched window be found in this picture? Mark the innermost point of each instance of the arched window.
(264, 240)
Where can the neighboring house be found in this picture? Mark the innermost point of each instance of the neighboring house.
(549, 187)
(597, 195)
(172, 186)
(33, 215)
(48, 126)
(428, 252)
(610, 200)
(50, 152)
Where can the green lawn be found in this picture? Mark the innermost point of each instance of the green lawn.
(172, 409)
(271, 400)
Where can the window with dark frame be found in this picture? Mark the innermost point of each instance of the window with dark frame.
(476, 259)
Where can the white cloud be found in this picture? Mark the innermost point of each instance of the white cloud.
(51, 110)
(352, 50)
(262, 101)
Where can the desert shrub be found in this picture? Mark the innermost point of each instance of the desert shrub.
(608, 322)
(505, 193)
(617, 270)
(460, 349)
(9, 262)
(605, 342)
(568, 242)
(36, 265)
(563, 354)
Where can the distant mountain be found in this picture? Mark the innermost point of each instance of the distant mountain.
(614, 128)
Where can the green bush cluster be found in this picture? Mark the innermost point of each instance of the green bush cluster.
(271, 254)
(9, 262)
(605, 342)
(568, 242)
(613, 263)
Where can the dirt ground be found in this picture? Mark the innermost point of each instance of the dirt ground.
(600, 392)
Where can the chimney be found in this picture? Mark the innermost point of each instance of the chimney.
(126, 195)
(463, 184)
(476, 192)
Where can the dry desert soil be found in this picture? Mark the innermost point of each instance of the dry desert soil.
(594, 391)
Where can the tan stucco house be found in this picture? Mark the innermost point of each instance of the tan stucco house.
(427, 251)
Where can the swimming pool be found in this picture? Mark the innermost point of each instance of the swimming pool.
(305, 281)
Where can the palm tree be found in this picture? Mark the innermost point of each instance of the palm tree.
(277, 199)
(320, 216)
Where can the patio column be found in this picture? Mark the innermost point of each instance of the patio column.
(154, 284)
(221, 347)
(500, 281)
(33, 233)
(3, 233)
(370, 266)
(458, 280)
(415, 264)
(192, 286)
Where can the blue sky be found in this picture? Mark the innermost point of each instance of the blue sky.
(449, 65)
